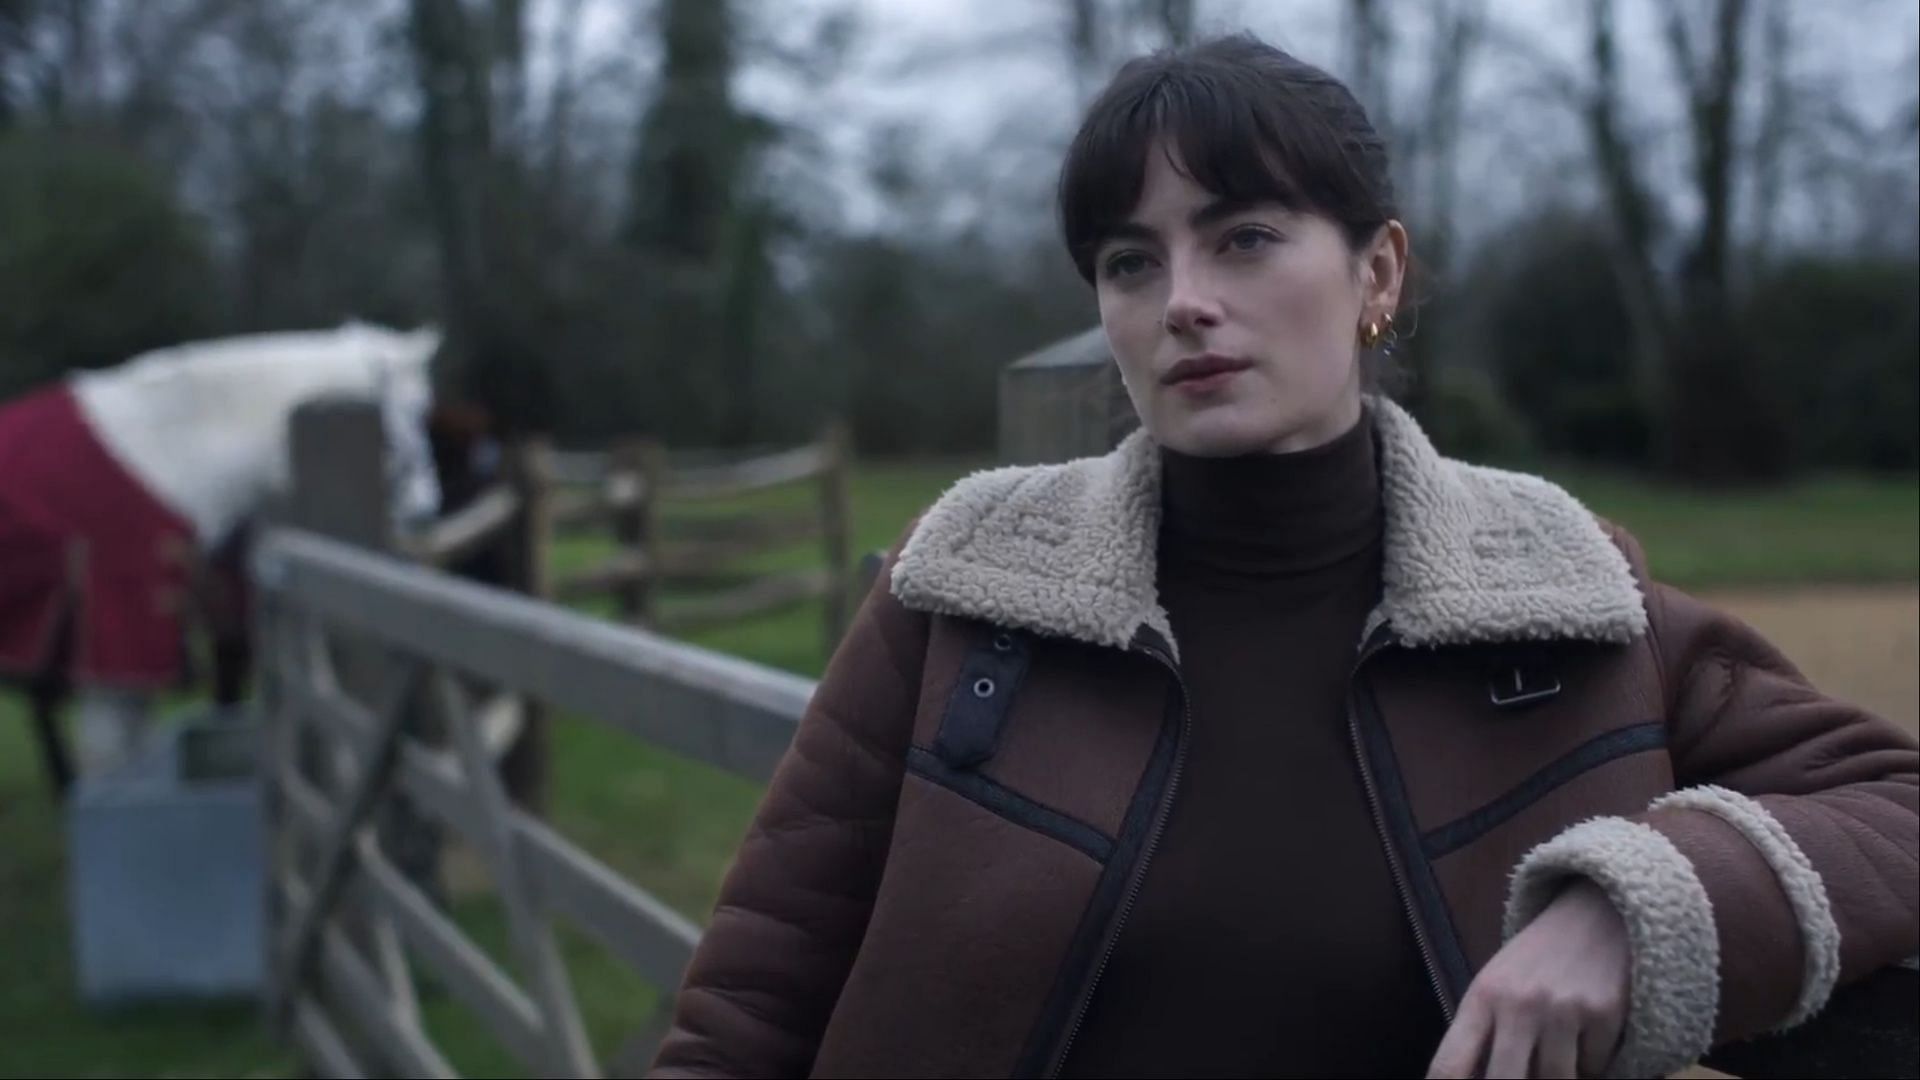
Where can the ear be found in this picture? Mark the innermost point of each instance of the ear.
(1383, 271)
(423, 344)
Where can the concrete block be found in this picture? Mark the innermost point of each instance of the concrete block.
(166, 869)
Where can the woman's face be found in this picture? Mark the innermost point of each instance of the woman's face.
(1236, 327)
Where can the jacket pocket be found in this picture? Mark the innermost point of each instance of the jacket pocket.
(1595, 752)
(1011, 805)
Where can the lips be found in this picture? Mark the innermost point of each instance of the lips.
(1204, 366)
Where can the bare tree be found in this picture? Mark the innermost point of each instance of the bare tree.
(456, 152)
(1458, 30)
(21, 80)
(1688, 352)
(1778, 112)
(77, 72)
(1430, 169)
(1634, 216)
(1100, 34)
(1087, 33)
(1172, 19)
(560, 110)
(1369, 58)
(1712, 85)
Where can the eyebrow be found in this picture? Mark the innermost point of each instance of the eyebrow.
(1214, 212)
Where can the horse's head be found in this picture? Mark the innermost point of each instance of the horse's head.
(466, 450)
(405, 386)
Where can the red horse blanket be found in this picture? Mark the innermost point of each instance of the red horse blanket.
(80, 536)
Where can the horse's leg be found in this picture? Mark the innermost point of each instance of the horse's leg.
(232, 662)
(46, 696)
(48, 693)
(225, 600)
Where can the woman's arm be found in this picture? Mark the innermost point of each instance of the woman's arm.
(1797, 810)
(795, 905)
(1784, 866)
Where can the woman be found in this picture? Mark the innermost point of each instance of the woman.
(1272, 743)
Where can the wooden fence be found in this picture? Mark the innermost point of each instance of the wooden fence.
(624, 493)
(628, 493)
(344, 919)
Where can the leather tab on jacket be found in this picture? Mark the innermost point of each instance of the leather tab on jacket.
(970, 730)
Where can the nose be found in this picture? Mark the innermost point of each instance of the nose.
(1191, 304)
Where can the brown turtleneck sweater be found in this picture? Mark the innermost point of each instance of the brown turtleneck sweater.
(1268, 938)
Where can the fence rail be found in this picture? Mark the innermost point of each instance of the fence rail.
(625, 492)
(345, 917)
(474, 526)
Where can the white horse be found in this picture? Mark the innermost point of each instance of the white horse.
(204, 425)
(106, 476)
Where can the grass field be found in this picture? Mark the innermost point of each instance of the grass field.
(1836, 529)
(672, 825)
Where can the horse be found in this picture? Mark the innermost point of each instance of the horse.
(469, 459)
(126, 494)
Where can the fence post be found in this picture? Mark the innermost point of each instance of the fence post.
(649, 459)
(531, 473)
(630, 469)
(340, 488)
(837, 529)
(525, 770)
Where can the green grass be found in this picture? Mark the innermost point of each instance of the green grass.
(1832, 529)
(666, 822)
(46, 1030)
(673, 825)
(1853, 529)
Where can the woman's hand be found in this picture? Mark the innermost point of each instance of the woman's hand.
(1552, 1002)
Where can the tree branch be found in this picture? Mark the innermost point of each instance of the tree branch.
(1554, 78)
(1679, 37)
(1633, 215)
(1777, 108)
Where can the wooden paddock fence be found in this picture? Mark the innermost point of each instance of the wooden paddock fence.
(630, 493)
(623, 493)
(344, 919)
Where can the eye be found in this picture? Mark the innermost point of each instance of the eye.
(1249, 238)
(1126, 264)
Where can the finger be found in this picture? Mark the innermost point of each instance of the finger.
(1557, 1055)
(1465, 1044)
(1598, 1044)
(1514, 1037)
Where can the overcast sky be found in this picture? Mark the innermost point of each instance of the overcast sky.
(982, 90)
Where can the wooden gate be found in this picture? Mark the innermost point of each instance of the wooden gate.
(344, 919)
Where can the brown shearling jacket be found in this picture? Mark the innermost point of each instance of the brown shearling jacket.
(951, 845)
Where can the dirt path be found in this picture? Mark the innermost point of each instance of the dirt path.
(1860, 643)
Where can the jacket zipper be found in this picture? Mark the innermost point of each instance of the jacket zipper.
(1375, 644)
(1140, 869)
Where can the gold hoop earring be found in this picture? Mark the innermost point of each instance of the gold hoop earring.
(1370, 334)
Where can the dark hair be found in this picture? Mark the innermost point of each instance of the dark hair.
(1249, 122)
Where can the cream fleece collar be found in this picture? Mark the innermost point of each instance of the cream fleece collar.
(1472, 554)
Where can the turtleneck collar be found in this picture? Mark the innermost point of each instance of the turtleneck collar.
(1272, 515)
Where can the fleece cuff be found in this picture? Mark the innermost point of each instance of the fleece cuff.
(1675, 969)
